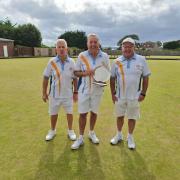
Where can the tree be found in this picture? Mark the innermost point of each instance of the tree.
(44, 46)
(75, 39)
(171, 45)
(159, 44)
(133, 36)
(28, 35)
(7, 29)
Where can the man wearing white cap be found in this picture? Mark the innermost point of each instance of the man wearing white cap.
(126, 74)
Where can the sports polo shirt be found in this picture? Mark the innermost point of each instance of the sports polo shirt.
(128, 74)
(87, 61)
(62, 75)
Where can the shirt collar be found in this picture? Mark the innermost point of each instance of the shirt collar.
(58, 59)
(98, 55)
(132, 58)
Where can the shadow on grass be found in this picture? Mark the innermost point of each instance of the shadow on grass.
(46, 164)
(133, 165)
(78, 164)
(93, 163)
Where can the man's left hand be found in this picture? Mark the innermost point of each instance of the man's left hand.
(141, 98)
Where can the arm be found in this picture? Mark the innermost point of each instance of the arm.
(79, 72)
(44, 88)
(113, 90)
(46, 74)
(75, 90)
(84, 73)
(144, 88)
(146, 73)
(113, 83)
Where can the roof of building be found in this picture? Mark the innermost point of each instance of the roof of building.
(7, 40)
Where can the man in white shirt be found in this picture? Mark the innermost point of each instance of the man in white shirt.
(62, 92)
(126, 74)
(89, 94)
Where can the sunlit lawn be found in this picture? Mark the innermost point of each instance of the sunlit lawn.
(24, 123)
(164, 57)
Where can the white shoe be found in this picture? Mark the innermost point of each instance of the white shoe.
(77, 144)
(50, 135)
(93, 137)
(117, 138)
(71, 135)
(131, 143)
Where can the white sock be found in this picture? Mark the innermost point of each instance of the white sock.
(129, 135)
(91, 132)
(119, 133)
(81, 137)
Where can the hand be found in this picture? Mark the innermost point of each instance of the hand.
(90, 72)
(114, 98)
(75, 97)
(141, 98)
(45, 97)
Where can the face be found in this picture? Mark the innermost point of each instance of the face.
(93, 44)
(61, 49)
(127, 50)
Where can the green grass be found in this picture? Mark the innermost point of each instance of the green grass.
(169, 57)
(158, 57)
(24, 123)
(165, 57)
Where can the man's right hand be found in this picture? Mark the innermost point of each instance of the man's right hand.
(45, 97)
(90, 72)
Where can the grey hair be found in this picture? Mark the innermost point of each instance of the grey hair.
(61, 40)
(93, 35)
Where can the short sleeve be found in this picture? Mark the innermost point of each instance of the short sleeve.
(48, 70)
(78, 65)
(107, 62)
(146, 70)
(113, 72)
(73, 68)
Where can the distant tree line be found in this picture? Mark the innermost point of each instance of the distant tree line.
(133, 36)
(26, 34)
(75, 39)
(172, 45)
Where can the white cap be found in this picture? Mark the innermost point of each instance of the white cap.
(129, 40)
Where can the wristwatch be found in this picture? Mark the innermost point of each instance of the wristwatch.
(142, 94)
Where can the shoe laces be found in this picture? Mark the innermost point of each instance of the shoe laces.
(51, 131)
(93, 136)
(131, 140)
(71, 132)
